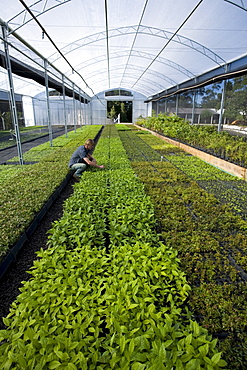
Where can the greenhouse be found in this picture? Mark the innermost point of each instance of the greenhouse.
(123, 172)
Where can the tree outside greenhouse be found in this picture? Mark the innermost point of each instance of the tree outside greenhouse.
(236, 100)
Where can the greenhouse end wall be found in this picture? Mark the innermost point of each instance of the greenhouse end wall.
(99, 106)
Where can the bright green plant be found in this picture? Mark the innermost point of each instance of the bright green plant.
(27, 188)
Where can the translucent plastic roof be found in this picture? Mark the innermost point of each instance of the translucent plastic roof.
(143, 45)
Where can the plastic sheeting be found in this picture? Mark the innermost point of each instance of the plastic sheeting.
(144, 45)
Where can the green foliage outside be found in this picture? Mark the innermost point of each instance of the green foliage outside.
(124, 108)
(7, 122)
(236, 99)
(235, 102)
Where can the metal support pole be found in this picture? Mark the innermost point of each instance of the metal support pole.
(133, 119)
(177, 104)
(105, 106)
(64, 110)
(91, 114)
(84, 112)
(81, 112)
(74, 118)
(48, 103)
(193, 107)
(12, 95)
(34, 113)
(222, 106)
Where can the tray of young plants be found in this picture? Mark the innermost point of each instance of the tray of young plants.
(210, 239)
(225, 187)
(7, 137)
(107, 293)
(26, 189)
(206, 138)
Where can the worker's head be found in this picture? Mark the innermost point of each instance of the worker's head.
(89, 144)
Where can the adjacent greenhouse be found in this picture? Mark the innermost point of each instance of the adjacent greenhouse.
(141, 262)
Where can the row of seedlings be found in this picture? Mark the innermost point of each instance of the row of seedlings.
(231, 190)
(211, 244)
(204, 137)
(227, 188)
(106, 294)
(7, 137)
(25, 189)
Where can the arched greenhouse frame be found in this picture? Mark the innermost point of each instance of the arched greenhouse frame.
(133, 256)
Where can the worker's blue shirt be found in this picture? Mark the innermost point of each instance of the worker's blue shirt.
(78, 155)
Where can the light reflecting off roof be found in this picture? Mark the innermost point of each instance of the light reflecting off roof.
(129, 44)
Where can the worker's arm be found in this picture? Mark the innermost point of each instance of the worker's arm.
(92, 162)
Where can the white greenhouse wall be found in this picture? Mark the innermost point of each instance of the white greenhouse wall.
(139, 109)
(76, 112)
(98, 107)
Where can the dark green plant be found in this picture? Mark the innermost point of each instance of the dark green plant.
(207, 138)
(209, 238)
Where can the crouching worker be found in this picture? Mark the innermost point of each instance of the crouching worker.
(82, 158)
